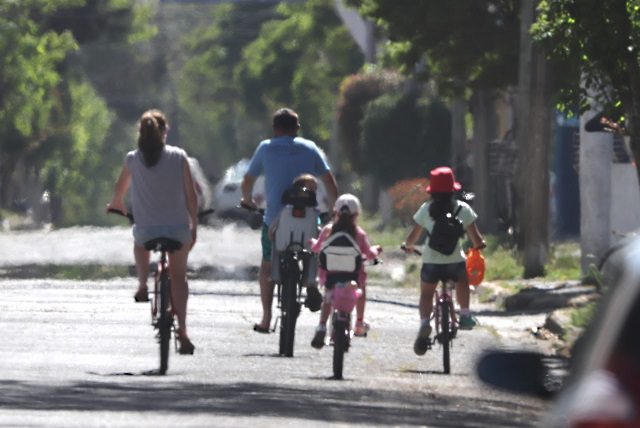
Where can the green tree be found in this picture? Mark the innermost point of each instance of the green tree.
(29, 61)
(215, 127)
(405, 137)
(356, 92)
(253, 58)
(597, 43)
(299, 59)
(53, 122)
(460, 44)
(73, 156)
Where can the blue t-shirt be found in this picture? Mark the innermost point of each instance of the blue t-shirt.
(281, 160)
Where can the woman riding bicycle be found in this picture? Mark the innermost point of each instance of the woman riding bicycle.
(164, 204)
(436, 265)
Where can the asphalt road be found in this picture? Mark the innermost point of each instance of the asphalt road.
(78, 353)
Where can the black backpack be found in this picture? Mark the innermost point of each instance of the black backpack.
(446, 232)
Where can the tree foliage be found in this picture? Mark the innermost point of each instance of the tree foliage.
(356, 92)
(299, 59)
(252, 59)
(216, 127)
(405, 136)
(596, 43)
(593, 41)
(54, 120)
(461, 44)
(30, 56)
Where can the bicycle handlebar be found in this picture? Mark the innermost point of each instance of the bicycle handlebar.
(117, 211)
(406, 250)
(250, 208)
(201, 215)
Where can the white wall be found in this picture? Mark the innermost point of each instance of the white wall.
(625, 200)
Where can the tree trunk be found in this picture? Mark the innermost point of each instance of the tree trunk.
(534, 138)
(7, 167)
(458, 134)
(484, 129)
(536, 203)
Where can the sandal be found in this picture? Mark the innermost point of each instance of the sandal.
(260, 329)
(186, 347)
(142, 295)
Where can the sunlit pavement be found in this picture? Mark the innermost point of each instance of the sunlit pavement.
(76, 352)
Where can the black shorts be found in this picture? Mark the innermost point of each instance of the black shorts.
(433, 273)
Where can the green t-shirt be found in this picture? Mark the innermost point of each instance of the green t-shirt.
(467, 215)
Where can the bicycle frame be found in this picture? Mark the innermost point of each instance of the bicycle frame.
(162, 312)
(446, 322)
(341, 334)
(293, 268)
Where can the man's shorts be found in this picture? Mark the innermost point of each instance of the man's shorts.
(266, 244)
(142, 234)
(432, 273)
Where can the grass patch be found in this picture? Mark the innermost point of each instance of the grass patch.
(70, 272)
(502, 262)
(564, 263)
(390, 237)
(581, 316)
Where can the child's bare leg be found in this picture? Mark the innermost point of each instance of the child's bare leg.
(325, 311)
(360, 304)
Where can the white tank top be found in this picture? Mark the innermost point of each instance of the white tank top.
(157, 192)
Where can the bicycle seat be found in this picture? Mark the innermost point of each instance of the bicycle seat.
(162, 244)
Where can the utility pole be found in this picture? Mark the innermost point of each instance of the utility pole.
(596, 154)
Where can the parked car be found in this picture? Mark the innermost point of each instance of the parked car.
(227, 192)
(602, 388)
(203, 188)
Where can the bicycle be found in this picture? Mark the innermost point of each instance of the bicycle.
(343, 304)
(446, 321)
(293, 264)
(162, 313)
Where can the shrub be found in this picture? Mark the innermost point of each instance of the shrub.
(405, 136)
(407, 196)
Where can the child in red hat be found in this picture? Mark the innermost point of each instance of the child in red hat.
(438, 266)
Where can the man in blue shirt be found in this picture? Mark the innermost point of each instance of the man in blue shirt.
(281, 159)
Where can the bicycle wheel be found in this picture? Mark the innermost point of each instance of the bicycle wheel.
(445, 336)
(165, 321)
(340, 344)
(290, 310)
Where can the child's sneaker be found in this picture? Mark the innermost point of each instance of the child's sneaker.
(467, 322)
(362, 328)
(422, 342)
(318, 338)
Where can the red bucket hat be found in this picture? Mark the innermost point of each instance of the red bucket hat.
(442, 181)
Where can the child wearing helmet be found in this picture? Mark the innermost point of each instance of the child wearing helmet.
(345, 219)
(437, 265)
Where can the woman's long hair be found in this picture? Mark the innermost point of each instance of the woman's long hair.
(441, 203)
(345, 222)
(153, 126)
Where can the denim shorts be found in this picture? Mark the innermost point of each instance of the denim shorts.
(433, 273)
(180, 232)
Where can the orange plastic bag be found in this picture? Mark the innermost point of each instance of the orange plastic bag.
(475, 267)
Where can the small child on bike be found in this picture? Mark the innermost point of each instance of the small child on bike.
(345, 219)
(438, 266)
(304, 186)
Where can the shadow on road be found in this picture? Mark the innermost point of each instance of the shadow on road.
(357, 406)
